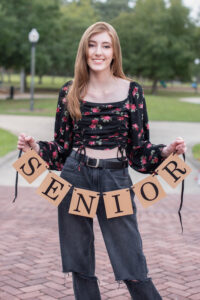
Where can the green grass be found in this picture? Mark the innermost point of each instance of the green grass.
(42, 107)
(47, 82)
(8, 142)
(165, 106)
(196, 151)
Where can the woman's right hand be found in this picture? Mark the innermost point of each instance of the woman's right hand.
(26, 142)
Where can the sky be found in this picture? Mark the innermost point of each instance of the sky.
(194, 5)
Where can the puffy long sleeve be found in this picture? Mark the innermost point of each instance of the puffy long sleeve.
(143, 156)
(56, 151)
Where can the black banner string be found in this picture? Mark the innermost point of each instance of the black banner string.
(181, 204)
(16, 180)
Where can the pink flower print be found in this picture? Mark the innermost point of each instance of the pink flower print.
(142, 170)
(55, 135)
(58, 109)
(93, 136)
(144, 160)
(117, 109)
(106, 118)
(64, 119)
(66, 146)
(65, 88)
(141, 105)
(148, 145)
(133, 107)
(129, 141)
(95, 110)
(91, 143)
(147, 126)
(61, 130)
(127, 105)
(110, 106)
(120, 118)
(155, 160)
(116, 134)
(87, 113)
(92, 126)
(95, 121)
(64, 100)
(135, 91)
(54, 154)
(135, 126)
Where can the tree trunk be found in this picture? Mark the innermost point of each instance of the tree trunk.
(2, 75)
(25, 82)
(40, 79)
(154, 87)
(22, 80)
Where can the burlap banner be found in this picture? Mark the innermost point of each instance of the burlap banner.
(117, 203)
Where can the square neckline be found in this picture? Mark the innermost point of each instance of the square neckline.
(108, 103)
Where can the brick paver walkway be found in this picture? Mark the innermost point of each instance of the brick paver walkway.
(30, 266)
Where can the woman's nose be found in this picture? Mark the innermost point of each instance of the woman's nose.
(98, 50)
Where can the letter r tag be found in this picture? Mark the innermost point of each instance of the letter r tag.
(53, 188)
(173, 170)
(30, 165)
(149, 191)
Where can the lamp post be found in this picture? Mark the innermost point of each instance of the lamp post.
(33, 39)
(195, 84)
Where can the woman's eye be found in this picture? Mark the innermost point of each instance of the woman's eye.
(107, 47)
(91, 45)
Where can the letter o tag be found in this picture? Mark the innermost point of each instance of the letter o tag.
(149, 191)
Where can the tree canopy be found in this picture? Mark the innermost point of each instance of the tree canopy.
(158, 41)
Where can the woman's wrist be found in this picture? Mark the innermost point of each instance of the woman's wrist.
(165, 152)
(37, 147)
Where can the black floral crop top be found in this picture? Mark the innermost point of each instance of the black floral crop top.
(122, 124)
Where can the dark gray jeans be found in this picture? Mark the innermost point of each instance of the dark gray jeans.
(121, 235)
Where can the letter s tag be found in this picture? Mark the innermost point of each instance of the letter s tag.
(149, 191)
(30, 165)
(173, 170)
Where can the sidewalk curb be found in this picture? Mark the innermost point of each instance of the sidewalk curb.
(8, 157)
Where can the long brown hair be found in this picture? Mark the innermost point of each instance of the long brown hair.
(78, 88)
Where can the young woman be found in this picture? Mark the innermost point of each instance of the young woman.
(101, 126)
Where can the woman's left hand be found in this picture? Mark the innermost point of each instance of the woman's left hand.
(177, 146)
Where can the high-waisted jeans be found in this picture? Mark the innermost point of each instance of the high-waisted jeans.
(121, 236)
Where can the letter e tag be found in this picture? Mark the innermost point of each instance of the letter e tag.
(173, 170)
(53, 188)
(30, 165)
(149, 191)
(84, 203)
(118, 203)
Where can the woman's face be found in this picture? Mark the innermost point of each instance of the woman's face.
(100, 52)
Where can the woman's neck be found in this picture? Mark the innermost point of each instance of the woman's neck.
(101, 79)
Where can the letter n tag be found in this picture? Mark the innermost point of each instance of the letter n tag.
(30, 165)
(84, 203)
(118, 203)
(149, 191)
(173, 170)
(54, 188)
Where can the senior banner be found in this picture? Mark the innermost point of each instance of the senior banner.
(118, 202)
